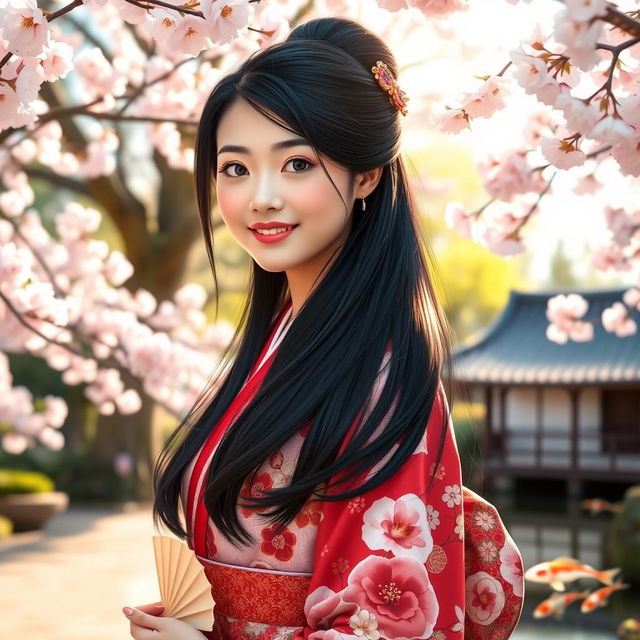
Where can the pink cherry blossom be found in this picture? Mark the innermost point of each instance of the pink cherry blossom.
(510, 175)
(564, 313)
(484, 598)
(530, 71)
(631, 297)
(488, 99)
(565, 309)
(392, 5)
(561, 154)
(273, 26)
(580, 117)
(99, 76)
(190, 296)
(9, 105)
(438, 7)
(511, 567)
(225, 18)
(622, 225)
(613, 130)
(189, 36)
(629, 110)
(616, 319)
(57, 61)
(24, 28)
(451, 120)
(585, 10)
(627, 155)
(161, 23)
(456, 217)
(609, 258)
(579, 39)
(587, 184)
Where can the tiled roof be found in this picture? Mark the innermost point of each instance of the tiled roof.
(515, 350)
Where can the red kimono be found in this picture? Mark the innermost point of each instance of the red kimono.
(389, 564)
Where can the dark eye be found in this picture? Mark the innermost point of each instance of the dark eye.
(224, 168)
(297, 168)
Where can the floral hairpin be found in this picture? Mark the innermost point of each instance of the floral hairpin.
(385, 79)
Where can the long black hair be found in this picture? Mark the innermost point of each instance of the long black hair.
(378, 290)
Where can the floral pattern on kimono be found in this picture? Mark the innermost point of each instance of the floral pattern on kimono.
(387, 564)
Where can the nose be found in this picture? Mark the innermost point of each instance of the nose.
(266, 197)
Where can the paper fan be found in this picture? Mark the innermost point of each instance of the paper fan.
(184, 588)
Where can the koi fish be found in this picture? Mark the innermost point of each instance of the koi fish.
(598, 505)
(555, 604)
(599, 597)
(562, 570)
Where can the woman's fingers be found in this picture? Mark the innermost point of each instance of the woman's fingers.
(142, 633)
(140, 618)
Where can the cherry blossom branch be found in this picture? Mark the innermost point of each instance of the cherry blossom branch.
(141, 89)
(614, 59)
(21, 319)
(38, 257)
(52, 114)
(144, 4)
(623, 21)
(118, 118)
(64, 182)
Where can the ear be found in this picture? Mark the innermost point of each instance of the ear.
(367, 181)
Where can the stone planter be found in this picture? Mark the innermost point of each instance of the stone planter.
(30, 511)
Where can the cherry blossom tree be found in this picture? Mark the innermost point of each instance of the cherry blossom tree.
(583, 73)
(85, 86)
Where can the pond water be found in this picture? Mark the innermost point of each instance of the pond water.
(547, 525)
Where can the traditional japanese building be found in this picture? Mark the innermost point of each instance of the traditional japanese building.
(568, 411)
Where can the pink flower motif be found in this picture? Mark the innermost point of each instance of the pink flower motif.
(511, 567)
(399, 526)
(397, 591)
(484, 598)
(323, 605)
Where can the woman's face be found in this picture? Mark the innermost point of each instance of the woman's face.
(267, 175)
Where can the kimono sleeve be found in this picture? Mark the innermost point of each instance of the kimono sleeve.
(390, 563)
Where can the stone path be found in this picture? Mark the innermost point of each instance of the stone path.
(71, 580)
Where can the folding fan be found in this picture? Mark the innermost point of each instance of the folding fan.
(184, 588)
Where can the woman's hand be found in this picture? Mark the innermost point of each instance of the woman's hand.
(147, 623)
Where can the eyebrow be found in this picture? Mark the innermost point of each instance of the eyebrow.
(283, 144)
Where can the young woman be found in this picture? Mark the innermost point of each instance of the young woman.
(318, 477)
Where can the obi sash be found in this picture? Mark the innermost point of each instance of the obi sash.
(260, 595)
(195, 512)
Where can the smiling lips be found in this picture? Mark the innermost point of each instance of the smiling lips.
(269, 232)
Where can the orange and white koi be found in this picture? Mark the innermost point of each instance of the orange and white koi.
(598, 505)
(600, 597)
(556, 603)
(561, 570)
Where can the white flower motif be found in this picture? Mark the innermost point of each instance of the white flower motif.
(432, 517)
(452, 495)
(488, 551)
(485, 521)
(459, 529)
(399, 526)
(458, 626)
(364, 624)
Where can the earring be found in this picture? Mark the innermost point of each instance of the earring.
(364, 206)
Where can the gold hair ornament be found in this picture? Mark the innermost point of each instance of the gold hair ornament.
(385, 79)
